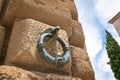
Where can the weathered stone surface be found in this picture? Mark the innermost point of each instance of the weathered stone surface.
(72, 7)
(14, 73)
(2, 37)
(52, 12)
(22, 49)
(56, 77)
(77, 39)
(81, 66)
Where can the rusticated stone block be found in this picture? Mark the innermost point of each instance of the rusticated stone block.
(22, 49)
(15, 73)
(81, 66)
(77, 39)
(2, 37)
(51, 12)
(72, 7)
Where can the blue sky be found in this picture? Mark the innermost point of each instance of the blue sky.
(94, 16)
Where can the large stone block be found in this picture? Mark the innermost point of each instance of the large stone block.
(22, 49)
(77, 39)
(81, 66)
(52, 12)
(15, 73)
(2, 37)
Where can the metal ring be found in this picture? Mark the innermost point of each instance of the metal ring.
(58, 61)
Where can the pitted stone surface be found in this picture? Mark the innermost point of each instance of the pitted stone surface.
(15, 73)
(77, 39)
(81, 66)
(22, 49)
(52, 12)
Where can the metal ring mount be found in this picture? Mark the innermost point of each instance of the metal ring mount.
(59, 61)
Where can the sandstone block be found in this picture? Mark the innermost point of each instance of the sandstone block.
(22, 49)
(15, 73)
(81, 66)
(51, 12)
(72, 8)
(2, 37)
(77, 39)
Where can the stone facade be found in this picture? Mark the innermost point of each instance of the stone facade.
(14, 73)
(116, 22)
(22, 49)
(24, 21)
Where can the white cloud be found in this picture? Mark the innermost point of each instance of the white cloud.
(103, 70)
(92, 38)
(91, 32)
(106, 9)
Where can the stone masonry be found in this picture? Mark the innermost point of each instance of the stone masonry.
(21, 26)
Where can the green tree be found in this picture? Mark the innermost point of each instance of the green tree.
(113, 50)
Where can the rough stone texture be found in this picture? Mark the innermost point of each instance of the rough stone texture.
(77, 39)
(22, 49)
(56, 77)
(52, 12)
(2, 37)
(14, 73)
(72, 7)
(81, 66)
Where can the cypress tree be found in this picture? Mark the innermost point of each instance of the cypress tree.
(113, 51)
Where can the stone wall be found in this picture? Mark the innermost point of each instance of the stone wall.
(24, 20)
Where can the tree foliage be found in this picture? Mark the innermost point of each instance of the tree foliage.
(113, 50)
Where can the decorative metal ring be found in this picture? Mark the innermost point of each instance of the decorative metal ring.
(59, 61)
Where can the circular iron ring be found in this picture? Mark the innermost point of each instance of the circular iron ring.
(58, 61)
